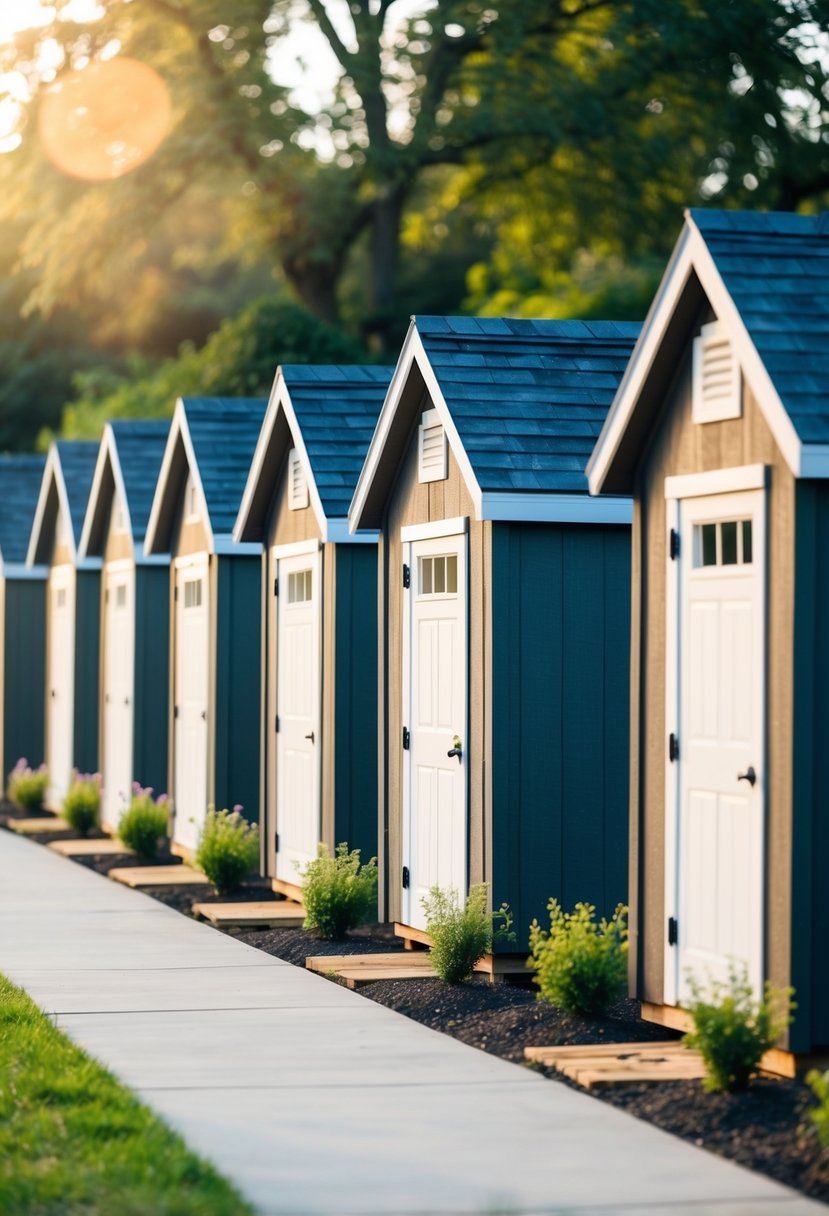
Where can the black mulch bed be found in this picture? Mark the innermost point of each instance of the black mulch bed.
(182, 897)
(766, 1128)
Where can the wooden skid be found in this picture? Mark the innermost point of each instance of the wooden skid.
(261, 914)
(619, 1063)
(159, 876)
(36, 827)
(356, 969)
(89, 848)
(490, 964)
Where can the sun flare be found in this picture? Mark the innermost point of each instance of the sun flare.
(18, 15)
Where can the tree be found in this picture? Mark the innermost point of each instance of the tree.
(734, 94)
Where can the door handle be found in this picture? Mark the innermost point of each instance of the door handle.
(204, 715)
(311, 736)
(456, 749)
(749, 775)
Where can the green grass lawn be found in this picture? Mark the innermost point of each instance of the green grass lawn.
(74, 1141)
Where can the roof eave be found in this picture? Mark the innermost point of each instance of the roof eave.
(154, 540)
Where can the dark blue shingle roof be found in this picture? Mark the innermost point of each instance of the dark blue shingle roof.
(140, 445)
(20, 481)
(775, 267)
(224, 431)
(528, 397)
(77, 461)
(337, 410)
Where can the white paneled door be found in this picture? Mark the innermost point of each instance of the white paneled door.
(61, 675)
(719, 747)
(119, 666)
(435, 713)
(192, 646)
(298, 636)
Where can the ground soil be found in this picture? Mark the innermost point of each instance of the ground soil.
(765, 1128)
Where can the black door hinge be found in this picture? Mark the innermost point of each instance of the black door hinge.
(673, 748)
(276, 586)
(405, 738)
(175, 593)
(674, 545)
(175, 711)
(405, 877)
(673, 931)
(407, 576)
(276, 723)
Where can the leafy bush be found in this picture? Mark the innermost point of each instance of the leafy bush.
(818, 1082)
(228, 849)
(82, 804)
(580, 964)
(338, 892)
(27, 786)
(462, 936)
(145, 823)
(732, 1029)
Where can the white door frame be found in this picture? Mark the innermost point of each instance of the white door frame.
(118, 571)
(199, 564)
(310, 553)
(411, 536)
(751, 479)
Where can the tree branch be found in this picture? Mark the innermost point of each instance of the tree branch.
(343, 54)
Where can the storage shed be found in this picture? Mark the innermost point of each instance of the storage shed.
(214, 611)
(72, 613)
(504, 594)
(135, 606)
(720, 430)
(319, 725)
(22, 616)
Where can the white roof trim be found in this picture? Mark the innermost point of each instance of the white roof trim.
(337, 533)
(509, 506)
(108, 451)
(717, 481)
(692, 254)
(52, 469)
(19, 571)
(411, 353)
(225, 546)
(178, 427)
(280, 399)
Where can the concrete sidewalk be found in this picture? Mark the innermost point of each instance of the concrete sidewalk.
(313, 1099)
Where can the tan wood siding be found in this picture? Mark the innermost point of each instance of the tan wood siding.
(679, 446)
(413, 502)
(285, 526)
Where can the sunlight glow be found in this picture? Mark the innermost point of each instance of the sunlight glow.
(18, 15)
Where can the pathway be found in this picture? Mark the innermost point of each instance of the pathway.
(314, 1100)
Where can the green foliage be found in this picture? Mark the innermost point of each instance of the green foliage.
(580, 964)
(228, 850)
(338, 892)
(74, 1141)
(461, 936)
(144, 825)
(27, 786)
(82, 804)
(238, 360)
(732, 1029)
(818, 1082)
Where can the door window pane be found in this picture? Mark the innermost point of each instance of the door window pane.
(724, 543)
(747, 542)
(193, 593)
(728, 532)
(300, 586)
(438, 575)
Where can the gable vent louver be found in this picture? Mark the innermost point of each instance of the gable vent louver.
(297, 482)
(431, 448)
(716, 393)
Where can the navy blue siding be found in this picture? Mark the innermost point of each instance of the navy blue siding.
(152, 660)
(238, 609)
(87, 667)
(809, 926)
(560, 706)
(355, 699)
(24, 672)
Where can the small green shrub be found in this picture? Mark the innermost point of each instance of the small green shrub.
(732, 1029)
(338, 892)
(82, 804)
(818, 1082)
(580, 964)
(462, 936)
(27, 786)
(228, 849)
(144, 824)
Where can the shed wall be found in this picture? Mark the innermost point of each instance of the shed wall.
(560, 689)
(678, 446)
(235, 702)
(87, 668)
(24, 671)
(152, 661)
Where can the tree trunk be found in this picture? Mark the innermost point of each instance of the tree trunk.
(384, 255)
(315, 284)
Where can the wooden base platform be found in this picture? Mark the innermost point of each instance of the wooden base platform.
(38, 827)
(90, 848)
(159, 876)
(357, 969)
(620, 1063)
(261, 914)
(494, 965)
(291, 890)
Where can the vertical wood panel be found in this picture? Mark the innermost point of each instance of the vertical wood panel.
(24, 671)
(87, 655)
(150, 692)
